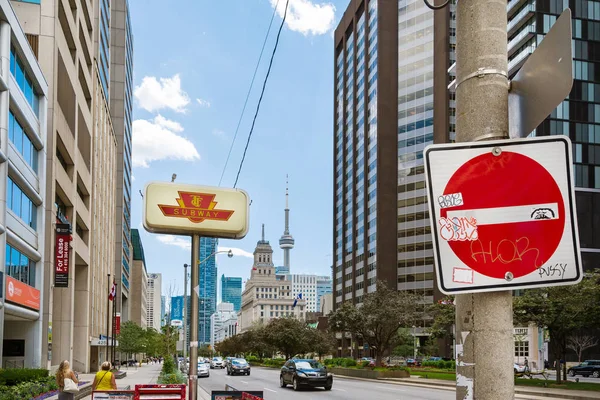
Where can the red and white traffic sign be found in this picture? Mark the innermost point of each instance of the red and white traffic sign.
(503, 214)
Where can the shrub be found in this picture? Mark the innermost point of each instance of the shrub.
(168, 366)
(440, 364)
(364, 364)
(176, 378)
(13, 376)
(341, 362)
(274, 362)
(251, 359)
(28, 390)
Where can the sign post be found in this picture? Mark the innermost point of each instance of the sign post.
(196, 211)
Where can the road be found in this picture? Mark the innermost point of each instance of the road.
(267, 380)
(552, 377)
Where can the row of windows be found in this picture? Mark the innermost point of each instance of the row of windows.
(411, 186)
(24, 81)
(424, 230)
(412, 111)
(415, 247)
(413, 216)
(19, 266)
(412, 202)
(415, 262)
(21, 204)
(17, 135)
(425, 276)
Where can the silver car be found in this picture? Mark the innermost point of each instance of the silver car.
(217, 362)
(203, 370)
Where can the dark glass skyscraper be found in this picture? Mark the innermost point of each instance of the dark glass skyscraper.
(207, 293)
(231, 291)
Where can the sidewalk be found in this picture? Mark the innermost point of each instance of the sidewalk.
(135, 376)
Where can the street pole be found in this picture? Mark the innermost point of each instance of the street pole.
(193, 372)
(107, 315)
(185, 318)
(484, 321)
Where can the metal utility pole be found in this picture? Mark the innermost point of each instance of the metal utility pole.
(484, 321)
(193, 372)
(107, 315)
(185, 318)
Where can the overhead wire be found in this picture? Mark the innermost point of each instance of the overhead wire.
(262, 92)
(248, 94)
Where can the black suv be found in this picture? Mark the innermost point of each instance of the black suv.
(586, 368)
(238, 366)
(305, 373)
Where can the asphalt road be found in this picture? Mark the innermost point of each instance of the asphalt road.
(267, 380)
(590, 379)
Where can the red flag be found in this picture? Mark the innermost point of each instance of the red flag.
(113, 292)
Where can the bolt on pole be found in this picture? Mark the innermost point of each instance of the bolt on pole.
(484, 321)
(193, 371)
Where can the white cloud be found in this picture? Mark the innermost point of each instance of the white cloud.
(156, 140)
(203, 103)
(306, 16)
(132, 178)
(179, 241)
(155, 94)
(168, 124)
(237, 252)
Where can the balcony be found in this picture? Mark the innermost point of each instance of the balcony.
(518, 61)
(521, 18)
(513, 6)
(527, 33)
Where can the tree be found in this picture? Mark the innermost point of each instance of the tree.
(288, 336)
(580, 343)
(323, 343)
(131, 338)
(204, 351)
(231, 347)
(255, 341)
(404, 344)
(380, 317)
(563, 310)
(444, 314)
(153, 342)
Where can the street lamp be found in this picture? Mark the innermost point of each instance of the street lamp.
(185, 283)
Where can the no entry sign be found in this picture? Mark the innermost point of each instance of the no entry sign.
(503, 214)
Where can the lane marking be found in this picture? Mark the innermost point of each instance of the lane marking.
(270, 390)
(244, 382)
(506, 215)
(339, 390)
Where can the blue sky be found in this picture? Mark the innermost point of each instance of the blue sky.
(192, 68)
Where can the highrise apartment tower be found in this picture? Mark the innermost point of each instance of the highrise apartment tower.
(207, 281)
(121, 91)
(286, 242)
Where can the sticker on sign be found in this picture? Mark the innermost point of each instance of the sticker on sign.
(503, 214)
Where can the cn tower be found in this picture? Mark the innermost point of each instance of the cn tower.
(286, 242)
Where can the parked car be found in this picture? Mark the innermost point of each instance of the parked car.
(586, 368)
(413, 362)
(370, 360)
(217, 362)
(238, 366)
(203, 369)
(519, 368)
(300, 373)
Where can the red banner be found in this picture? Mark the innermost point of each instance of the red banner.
(117, 323)
(61, 264)
(22, 294)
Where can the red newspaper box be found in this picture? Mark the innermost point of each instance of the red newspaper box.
(159, 392)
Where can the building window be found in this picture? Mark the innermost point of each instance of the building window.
(521, 349)
(23, 79)
(18, 136)
(19, 266)
(20, 204)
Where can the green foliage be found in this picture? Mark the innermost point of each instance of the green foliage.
(175, 378)
(289, 336)
(364, 364)
(341, 362)
(28, 390)
(13, 376)
(132, 338)
(153, 342)
(443, 313)
(168, 366)
(273, 362)
(251, 358)
(381, 316)
(451, 365)
(404, 345)
(204, 351)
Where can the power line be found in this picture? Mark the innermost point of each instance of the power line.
(262, 92)
(248, 94)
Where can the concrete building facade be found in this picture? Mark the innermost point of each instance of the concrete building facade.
(155, 301)
(265, 297)
(223, 323)
(121, 91)
(63, 37)
(23, 151)
(308, 286)
(139, 282)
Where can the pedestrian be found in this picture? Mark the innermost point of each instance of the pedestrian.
(526, 364)
(64, 372)
(104, 379)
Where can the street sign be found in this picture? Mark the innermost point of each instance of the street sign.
(178, 209)
(543, 81)
(503, 214)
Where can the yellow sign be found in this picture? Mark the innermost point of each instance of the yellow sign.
(178, 209)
